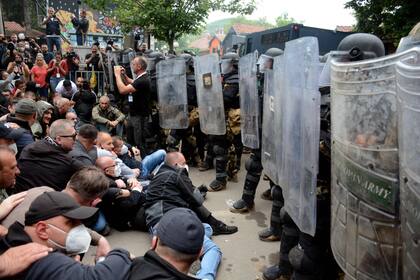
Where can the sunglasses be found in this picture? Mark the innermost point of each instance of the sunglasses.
(72, 136)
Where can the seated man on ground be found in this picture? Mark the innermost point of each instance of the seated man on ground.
(66, 89)
(172, 188)
(146, 166)
(86, 187)
(108, 118)
(84, 149)
(176, 244)
(24, 117)
(44, 114)
(54, 220)
(123, 201)
(47, 162)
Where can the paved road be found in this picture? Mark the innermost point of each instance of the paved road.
(244, 255)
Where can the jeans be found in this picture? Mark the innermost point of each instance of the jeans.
(81, 39)
(100, 223)
(54, 41)
(211, 256)
(54, 82)
(104, 128)
(150, 162)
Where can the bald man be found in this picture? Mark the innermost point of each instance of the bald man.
(139, 100)
(145, 167)
(124, 199)
(108, 118)
(172, 188)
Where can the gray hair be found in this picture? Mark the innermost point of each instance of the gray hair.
(60, 127)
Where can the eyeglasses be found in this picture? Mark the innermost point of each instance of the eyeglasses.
(72, 136)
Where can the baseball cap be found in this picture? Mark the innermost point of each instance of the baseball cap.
(9, 133)
(53, 204)
(26, 106)
(181, 230)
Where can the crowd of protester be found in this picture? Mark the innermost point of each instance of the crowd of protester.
(69, 173)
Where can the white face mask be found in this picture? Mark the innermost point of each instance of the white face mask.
(117, 171)
(124, 150)
(14, 148)
(77, 241)
(185, 166)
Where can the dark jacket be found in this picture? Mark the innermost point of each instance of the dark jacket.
(153, 267)
(85, 101)
(59, 266)
(170, 188)
(121, 212)
(81, 25)
(26, 138)
(79, 152)
(45, 164)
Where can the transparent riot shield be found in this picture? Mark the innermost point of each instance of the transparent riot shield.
(408, 92)
(172, 94)
(365, 226)
(269, 147)
(298, 128)
(248, 92)
(131, 55)
(209, 94)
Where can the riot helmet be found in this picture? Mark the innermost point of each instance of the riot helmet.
(411, 41)
(152, 59)
(189, 61)
(229, 63)
(265, 61)
(361, 46)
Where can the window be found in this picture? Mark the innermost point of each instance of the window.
(276, 37)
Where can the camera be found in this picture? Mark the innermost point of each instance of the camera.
(10, 47)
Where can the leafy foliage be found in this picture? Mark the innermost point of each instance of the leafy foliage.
(284, 19)
(168, 20)
(388, 19)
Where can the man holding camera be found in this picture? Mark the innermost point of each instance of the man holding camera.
(93, 59)
(52, 30)
(82, 26)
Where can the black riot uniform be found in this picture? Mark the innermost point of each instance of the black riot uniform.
(193, 140)
(254, 167)
(310, 257)
(155, 138)
(227, 148)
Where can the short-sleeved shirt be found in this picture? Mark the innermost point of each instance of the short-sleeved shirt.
(40, 75)
(141, 97)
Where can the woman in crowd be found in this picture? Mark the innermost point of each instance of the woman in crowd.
(39, 76)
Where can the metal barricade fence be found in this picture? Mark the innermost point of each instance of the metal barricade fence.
(100, 88)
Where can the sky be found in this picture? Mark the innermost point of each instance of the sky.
(322, 13)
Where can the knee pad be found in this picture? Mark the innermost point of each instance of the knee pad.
(219, 150)
(253, 166)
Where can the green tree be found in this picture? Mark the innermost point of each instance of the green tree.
(284, 19)
(388, 19)
(168, 20)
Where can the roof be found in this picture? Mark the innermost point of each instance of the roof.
(201, 44)
(11, 27)
(241, 28)
(344, 28)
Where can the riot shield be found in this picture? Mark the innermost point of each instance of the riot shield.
(298, 127)
(248, 92)
(269, 147)
(365, 227)
(408, 92)
(172, 94)
(131, 55)
(209, 94)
